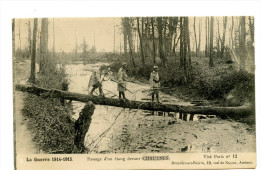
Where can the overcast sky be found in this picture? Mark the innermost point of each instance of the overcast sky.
(66, 31)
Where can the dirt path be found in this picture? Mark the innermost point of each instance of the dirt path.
(24, 143)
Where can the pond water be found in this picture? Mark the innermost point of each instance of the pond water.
(119, 130)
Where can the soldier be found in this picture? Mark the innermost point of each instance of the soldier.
(121, 86)
(155, 83)
(95, 82)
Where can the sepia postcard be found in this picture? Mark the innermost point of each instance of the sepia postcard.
(162, 92)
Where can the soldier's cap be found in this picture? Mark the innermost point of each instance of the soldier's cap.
(155, 67)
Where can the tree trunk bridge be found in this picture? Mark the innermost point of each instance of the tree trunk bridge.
(206, 110)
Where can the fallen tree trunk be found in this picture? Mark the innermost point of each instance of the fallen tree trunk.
(207, 110)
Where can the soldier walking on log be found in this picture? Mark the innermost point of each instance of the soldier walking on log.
(122, 76)
(155, 83)
(95, 82)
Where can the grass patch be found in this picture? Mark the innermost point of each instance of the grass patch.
(51, 125)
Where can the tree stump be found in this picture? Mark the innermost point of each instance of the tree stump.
(82, 125)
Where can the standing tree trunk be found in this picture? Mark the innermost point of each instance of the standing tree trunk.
(208, 50)
(231, 33)
(171, 28)
(13, 37)
(206, 43)
(218, 42)
(33, 56)
(160, 29)
(196, 44)
(125, 36)
(164, 37)
(185, 57)
(154, 51)
(84, 49)
(181, 43)
(130, 39)
(175, 24)
(211, 64)
(147, 38)
(141, 42)
(199, 37)
(242, 42)
(223, 37)
(188, 44)
(185, 43)
(252, 30)
(44, 45)
(20, 36)
(29, 40)
(53, 45)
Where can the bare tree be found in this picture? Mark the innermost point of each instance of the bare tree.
(206, 42)
(242, 42)
(185, 57)
(44, 45)
(211, 64)
(198, 49)
(218, 41)
(125, 35)
(173, 22)
(154, 51)
(130, 39)
(19, 35)
(33, 56)
(252, 29)
(29, 39)
(13, 37)
(181, 43)
(231, 39)
(188, 44)
(141, 42)
(195, 37)
(165, 49)
(160, 29)
(53, 45)
(224, 36)
(84, 47)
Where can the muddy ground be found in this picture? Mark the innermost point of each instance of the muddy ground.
(118, 130)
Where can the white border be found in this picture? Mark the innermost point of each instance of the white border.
(21, 9)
